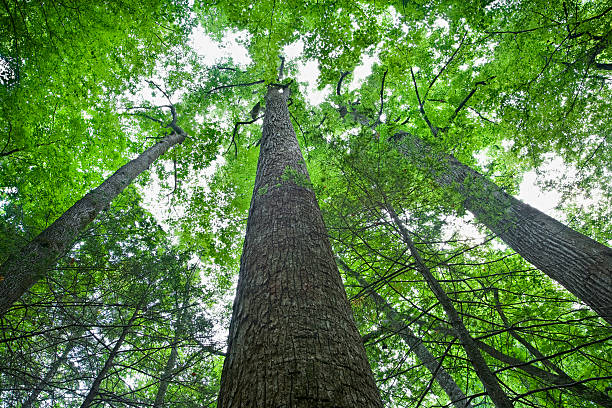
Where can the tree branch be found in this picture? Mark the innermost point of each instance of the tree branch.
(234, 85)
(342, 76)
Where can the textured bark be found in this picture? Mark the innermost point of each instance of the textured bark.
(488, 379)
(582, 265)
(293, 341)
(442, 377)
(23, 269)
(108, 364)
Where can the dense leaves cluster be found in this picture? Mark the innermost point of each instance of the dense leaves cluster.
(132, 315)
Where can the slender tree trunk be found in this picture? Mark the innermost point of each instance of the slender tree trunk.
(583, 266)
(490, 382)
(442, 377)
(22, 270)
(293, 341)
(548, 378)
(44, 382)
(171, 362)
(167, 375)
(108, 364)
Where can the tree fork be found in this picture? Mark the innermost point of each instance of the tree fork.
(293, 341)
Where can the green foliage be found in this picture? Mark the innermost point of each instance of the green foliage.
(506, 87)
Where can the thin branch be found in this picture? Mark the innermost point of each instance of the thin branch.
(235, 133)
(434, 130)
(234, 85)
(161, 90)
(433, 81)
(342, 76)
(382, 101)
(467, 98)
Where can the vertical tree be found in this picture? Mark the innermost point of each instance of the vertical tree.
(293, 341)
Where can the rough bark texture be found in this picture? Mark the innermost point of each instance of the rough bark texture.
(23, 269)
(442, 377)
(293, 341)
(583, 266)
(484, 373)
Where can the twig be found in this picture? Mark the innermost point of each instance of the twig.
(382, 101)
(234, 85)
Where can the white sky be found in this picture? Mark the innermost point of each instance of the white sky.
(232, 46)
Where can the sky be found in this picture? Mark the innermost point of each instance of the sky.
(232, 46)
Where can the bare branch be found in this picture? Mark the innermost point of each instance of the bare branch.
(433, 81)
(234, 85)
(235, 133)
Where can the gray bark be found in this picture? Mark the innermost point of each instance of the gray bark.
(488, 379)
(580, 264)
(442, 377)
(293, 341)
(23, 269)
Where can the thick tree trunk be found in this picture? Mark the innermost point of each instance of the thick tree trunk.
(22, 270)
(583, 266)
(108, 364)
(293, 341)
(490, 382)
(439, 373)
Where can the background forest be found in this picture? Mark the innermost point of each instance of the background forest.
(133, 308)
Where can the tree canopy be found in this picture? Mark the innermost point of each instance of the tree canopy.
(136, 313)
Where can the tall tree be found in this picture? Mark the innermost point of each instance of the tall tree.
(22, 270)
(582, 265)
(293, 340)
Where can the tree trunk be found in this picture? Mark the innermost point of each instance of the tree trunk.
(167, 375)
(44, 382)
(439, 373)
(22, 270)
(95, 386)
(583, 266)
(548, 378)
(490, 382)
(293, 341)
(171, 362)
